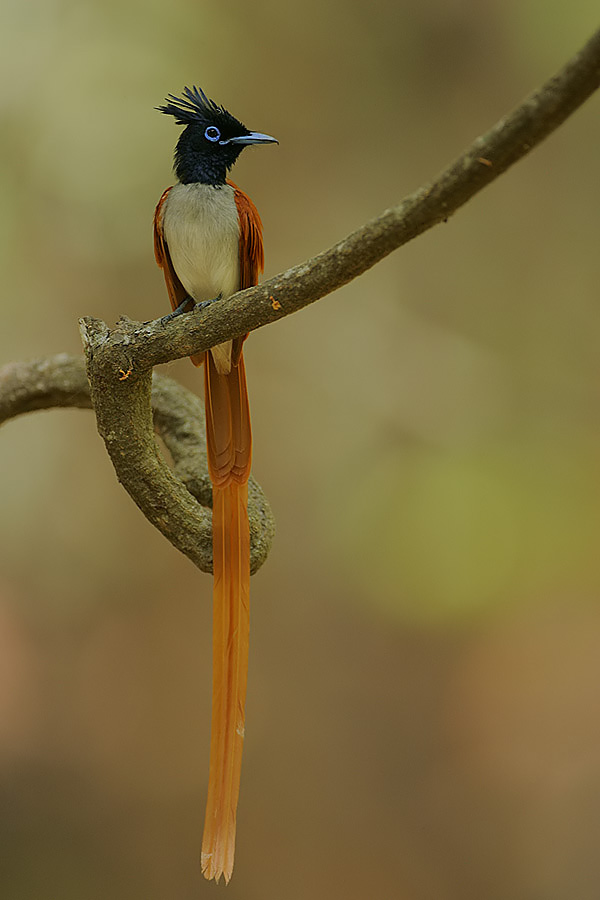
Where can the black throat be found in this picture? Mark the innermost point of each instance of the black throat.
(195, 162)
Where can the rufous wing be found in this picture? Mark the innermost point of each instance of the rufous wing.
(252, 257)
(177, 292)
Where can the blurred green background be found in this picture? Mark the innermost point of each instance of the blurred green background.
(423, 699)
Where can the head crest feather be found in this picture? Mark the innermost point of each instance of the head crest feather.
(192, 107)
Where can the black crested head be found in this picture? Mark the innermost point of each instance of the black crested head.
(212, 139)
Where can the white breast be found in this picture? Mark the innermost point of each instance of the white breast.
(201, 228)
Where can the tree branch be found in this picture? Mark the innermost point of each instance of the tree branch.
(511, 138)
(61, 381)
(120, 361)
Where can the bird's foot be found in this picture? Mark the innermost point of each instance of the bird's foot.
(204, 303)
(184, 307)
(178, 311)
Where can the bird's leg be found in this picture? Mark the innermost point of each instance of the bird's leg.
(205, 303)
(179, 310)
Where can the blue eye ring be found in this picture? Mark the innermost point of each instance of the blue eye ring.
(212, 133)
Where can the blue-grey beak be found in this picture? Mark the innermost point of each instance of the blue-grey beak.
(254, 137)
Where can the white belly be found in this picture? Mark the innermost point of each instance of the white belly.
(201, 228)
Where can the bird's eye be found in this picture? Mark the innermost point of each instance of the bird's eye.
(212, 133)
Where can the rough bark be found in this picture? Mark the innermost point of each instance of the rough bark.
(176, 501)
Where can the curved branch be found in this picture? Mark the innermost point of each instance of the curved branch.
(61, 381)
(488, 157)
(119, 362)
(43, 384)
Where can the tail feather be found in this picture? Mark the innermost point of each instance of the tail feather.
(228, 432)
(229, 450)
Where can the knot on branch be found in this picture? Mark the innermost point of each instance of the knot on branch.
(131, 404)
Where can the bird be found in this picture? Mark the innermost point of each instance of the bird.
(208, 242)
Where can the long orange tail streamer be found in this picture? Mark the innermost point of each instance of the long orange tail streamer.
(229, 442)
(229, 456)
